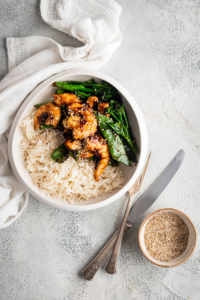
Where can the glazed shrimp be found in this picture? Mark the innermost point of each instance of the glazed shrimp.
(91, 101)
(72, 122)
(47, 114)
(102, 107)
(76, 145)
(90, 125)
(100, 147)
(73, 144)
(65, 99)
(86, 154)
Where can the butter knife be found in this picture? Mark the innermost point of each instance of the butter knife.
(138, 209)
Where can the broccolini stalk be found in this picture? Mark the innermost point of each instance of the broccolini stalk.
(60, 91)
(73, 87)
(103, 90)
(81, 94)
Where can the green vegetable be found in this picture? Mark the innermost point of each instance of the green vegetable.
(130, 153)
(115, 130)
(92, 158)
(104, 91)
(113, 163)
(114, 142)
(121, 127)
(81, 94)
(60, 91)
(60, 154)
(73, 87)
(124, 132)
(74, 154)
(44, 126)
(40, 104)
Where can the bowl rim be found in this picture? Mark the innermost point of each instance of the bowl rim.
(140, 236)
(142, 131)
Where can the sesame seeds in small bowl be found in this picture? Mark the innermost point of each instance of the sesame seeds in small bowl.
(167, 237)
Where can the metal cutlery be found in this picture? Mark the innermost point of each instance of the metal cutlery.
(136, 187)
(139, 208)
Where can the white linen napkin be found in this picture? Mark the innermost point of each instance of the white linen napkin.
(33, 59)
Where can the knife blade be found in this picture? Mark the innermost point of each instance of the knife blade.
(158, 186)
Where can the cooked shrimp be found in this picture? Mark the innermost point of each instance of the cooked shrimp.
(73, 144)
(47, 114)
(86, 154)
(102, 107)
(91, 101)
(65, 99)
(72, 122)
(100, 147)
(90, 126)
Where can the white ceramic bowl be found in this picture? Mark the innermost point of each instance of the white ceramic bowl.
(192, 239)
(44, 92)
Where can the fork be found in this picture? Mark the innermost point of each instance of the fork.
(136, 187)
(89, 272)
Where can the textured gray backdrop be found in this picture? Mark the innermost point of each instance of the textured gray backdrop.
(43, 252)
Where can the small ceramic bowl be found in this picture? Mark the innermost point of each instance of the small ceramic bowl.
(192, 240)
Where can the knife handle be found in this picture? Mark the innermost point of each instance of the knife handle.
(89, 272)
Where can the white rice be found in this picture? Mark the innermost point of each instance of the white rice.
(71, 180)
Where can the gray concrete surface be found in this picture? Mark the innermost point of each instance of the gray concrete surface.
(43, 252)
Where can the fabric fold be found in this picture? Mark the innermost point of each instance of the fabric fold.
(31, 60)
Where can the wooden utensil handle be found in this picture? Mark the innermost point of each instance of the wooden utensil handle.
(89, 272)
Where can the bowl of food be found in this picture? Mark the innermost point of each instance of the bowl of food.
(167, 237)
(79, 141)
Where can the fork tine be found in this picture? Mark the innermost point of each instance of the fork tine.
(145, 168)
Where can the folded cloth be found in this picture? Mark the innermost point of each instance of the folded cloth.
(31, 60)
